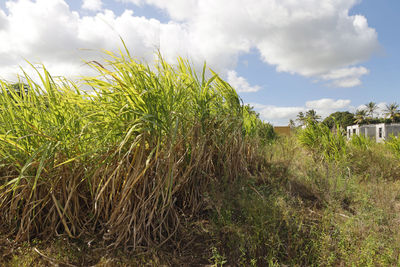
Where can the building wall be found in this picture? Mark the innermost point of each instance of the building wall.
(282, 130)
(353, 129)
(392, 129)
(380, 132)
(387, 131)
(368, 131)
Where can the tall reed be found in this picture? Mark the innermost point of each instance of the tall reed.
(129, 161)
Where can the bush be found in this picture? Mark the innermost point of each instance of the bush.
(394, 145)
(319, 139)
(361, 142)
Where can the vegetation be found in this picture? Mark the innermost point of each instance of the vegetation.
(301, 118)
(161, 167)
(394, 145)
(392, 111)
(128, 163)
(371, 107)
(310, 116)
(343, 118)
(366, 115)
(360, 116)
(318, 138)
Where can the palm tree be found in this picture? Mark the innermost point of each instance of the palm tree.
(292, 124)
(371, 107)
(301, 118)
(312, 115)
(360, 116)
(392, 111)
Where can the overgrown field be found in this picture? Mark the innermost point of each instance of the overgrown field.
(316, 200)
(159, 166)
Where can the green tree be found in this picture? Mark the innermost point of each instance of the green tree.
(392, 111)
(371, 108)
(292, 124)
(312, 115)
(361, 116)
(301, 118)
(343, 118)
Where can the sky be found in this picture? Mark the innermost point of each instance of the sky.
(282, 56)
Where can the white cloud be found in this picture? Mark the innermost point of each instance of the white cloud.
(136, 2)
(240, 83)
(345, 77)
(328, 103)
(48, 32)
(281, 115)
(313, 38)
(177, 9)
(93, 5)
(326, 106)
(307, 37)
(3, 20)
(347, 83)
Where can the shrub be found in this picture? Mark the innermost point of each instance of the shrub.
(360, 142)
(394, 145)
(319, 139)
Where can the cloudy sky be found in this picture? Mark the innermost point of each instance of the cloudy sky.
(282, 56)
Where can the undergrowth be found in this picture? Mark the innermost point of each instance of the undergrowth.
(165, 166)
(303, 209)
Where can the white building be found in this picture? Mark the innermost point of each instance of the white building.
(384, 131)
(366, 130)
(379, 132)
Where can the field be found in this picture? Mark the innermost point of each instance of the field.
(166, 166)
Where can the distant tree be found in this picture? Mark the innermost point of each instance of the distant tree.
(291, 124)
(312, 115)
(392, 111)
(361, 116)
(301, 118)
(343, 118)
(371, 107)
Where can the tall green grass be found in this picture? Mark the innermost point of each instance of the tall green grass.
(324, 143)
(129, 161)
(394, 145)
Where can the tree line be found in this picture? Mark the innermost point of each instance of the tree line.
(366, 115)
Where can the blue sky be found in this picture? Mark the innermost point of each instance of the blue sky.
(282, 56)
